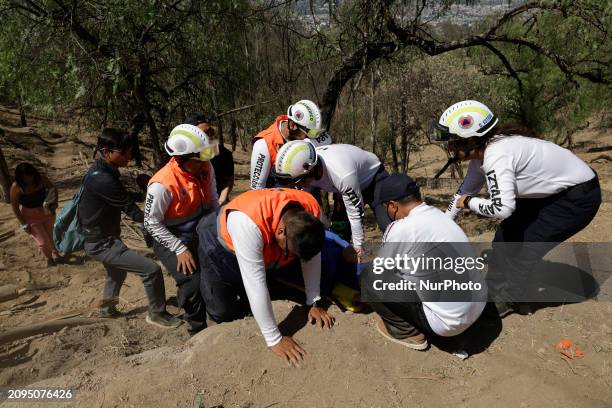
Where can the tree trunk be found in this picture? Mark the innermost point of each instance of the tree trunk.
(233, 133)
(22, 115)
(394, 153)
(5, 176)
(350, 66)
(137, 125)
(373, 111)
(154, 135)
(353, 118)
(403, 135)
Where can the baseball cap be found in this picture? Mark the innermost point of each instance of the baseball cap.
(394, 187)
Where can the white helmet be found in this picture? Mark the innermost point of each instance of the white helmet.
(307, 116)
(188, 139)
(464, 119)
(295, 160)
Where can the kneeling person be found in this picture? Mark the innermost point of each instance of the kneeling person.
(338, 168)
(417, 224)
(178, 196)
(255, 232)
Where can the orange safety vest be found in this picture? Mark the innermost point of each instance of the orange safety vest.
(191, 196)
(273, 137)
(265, 208)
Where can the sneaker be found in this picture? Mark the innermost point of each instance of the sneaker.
(163, 320)
(418, 342)
(109, 312)
(51, 263)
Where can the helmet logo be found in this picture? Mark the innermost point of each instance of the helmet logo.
(299, 114)
(466, 121)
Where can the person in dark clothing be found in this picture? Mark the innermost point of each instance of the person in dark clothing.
(99, 212)
(223, 163)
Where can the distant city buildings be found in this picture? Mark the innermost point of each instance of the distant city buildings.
(316, 13)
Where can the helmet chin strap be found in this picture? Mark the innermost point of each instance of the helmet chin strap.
(482, 141)
(451, 160)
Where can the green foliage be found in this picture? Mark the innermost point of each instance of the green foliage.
(145, 64)
(548, 99)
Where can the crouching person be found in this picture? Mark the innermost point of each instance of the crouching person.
(99, 211)
(178, 196)
(258, 231)
(420, 231)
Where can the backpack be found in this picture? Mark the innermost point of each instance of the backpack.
(67, 234)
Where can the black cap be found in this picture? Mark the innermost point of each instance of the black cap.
(394, 187)
(196, 118)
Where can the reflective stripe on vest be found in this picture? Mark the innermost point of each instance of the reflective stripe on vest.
(273, 137)
(265, 208)
(191, 196)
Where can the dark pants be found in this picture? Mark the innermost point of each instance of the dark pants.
(221, 282)
(188, 293)
(403, 319)
(118, 260)
(382, 218)
(546, 222)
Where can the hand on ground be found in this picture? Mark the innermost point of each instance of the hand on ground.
(289, 350)
(320, 317)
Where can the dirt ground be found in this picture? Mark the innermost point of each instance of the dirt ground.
(127, 363)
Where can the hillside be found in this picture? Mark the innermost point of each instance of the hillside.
(126, 362)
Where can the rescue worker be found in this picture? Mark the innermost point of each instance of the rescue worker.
(336, 168)
(419, 228)
(302, 121)
(542, 192)
(178, 196)
(253, 235)
(223, 163)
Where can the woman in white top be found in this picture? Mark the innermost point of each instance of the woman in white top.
(541, 191)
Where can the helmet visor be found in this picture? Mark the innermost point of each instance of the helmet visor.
(209, 152)
(440, 133)
(314, 133)
(285, 180)
(310, 133)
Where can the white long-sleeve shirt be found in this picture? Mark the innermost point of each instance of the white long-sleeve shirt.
(156, 204)
(261, 162)
(427, 224)
(347, 170)
(248, 246)
(520, 167)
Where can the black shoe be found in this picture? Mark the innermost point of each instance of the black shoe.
(51, 263)
(504, 309)
(524, 309)
(163, 320)
(109, 312)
